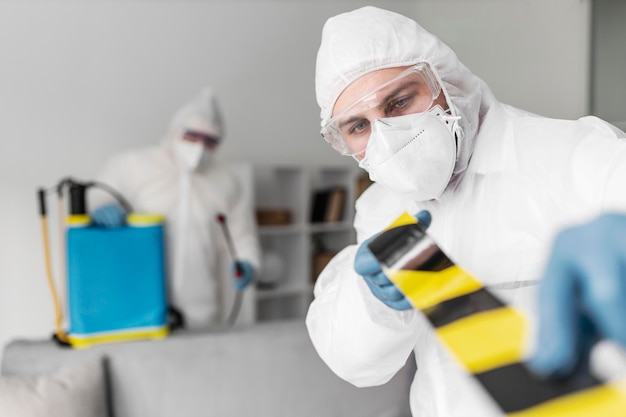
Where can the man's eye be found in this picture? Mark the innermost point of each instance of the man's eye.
(399, 104)
(359, 127)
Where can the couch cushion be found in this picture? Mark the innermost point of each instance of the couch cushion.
(265, 370)
(77, 390)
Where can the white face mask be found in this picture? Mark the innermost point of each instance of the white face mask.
(414, 154)
(189, 154)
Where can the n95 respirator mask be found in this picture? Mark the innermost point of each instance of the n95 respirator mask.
(189, 155)
(413, 155)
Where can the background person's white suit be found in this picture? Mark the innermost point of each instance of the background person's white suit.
(191, 189)
(518, 179)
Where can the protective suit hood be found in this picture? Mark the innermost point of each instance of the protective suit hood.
(202, 114)
(368, 39)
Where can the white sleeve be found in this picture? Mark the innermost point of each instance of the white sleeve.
(598, 167)
(242, 221)
(362, 340)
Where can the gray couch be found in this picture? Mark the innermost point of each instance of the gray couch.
(264, 370)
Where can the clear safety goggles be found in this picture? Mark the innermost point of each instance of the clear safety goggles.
(412, 91)
(206, 139)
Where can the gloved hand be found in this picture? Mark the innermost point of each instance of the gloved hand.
(366, 265)
(110, 215)
(582, 294)
(243, 274)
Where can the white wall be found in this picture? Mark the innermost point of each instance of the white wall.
(82, 80)
(609, 70)
(534, 54)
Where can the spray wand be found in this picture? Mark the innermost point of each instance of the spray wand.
(221, 219)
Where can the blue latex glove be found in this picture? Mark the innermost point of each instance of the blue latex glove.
(243, 274)
(366, 265)
(110, 215)
(582, 295)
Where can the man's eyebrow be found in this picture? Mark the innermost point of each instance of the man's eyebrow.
(398, 90)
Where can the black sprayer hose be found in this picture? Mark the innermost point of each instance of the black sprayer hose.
(119, 197)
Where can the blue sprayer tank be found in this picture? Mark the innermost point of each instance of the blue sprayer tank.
(116, 285)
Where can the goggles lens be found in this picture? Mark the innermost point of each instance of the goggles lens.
(412, 91)
(195, 136)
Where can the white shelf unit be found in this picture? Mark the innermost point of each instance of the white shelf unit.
(285, 285)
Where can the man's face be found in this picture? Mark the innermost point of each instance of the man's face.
(409, 94)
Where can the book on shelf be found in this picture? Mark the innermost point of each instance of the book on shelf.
(328, 205)
(336, 202)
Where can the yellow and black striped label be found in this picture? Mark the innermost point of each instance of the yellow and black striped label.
(485, 335)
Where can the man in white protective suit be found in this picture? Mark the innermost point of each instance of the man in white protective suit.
(499, 183)
(181, 178)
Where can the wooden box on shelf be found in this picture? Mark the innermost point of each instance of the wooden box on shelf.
(273, 217)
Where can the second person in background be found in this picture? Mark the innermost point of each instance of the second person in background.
(181, 178)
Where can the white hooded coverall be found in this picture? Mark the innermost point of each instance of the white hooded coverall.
(518, 179)
(198, 260)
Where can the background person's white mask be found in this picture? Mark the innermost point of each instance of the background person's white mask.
(189, 154)
(414, 154)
